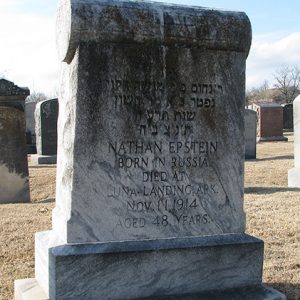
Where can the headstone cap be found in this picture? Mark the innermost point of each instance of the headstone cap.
(138, 22)
(268, 104)
(41, 103)
(8, 88)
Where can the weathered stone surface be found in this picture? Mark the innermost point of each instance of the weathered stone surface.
(142, 22)
(250, 133)
(287, 116)
(149, 198)
(145, 121)
(46, 114)
(14, 184)
(270, 122)
(294, 173)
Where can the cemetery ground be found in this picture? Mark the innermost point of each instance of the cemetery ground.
(272, 211)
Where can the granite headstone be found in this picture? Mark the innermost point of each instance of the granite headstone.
(270, 122)
(30, 127)
(250, 133)
(46, 114)
(149, 198)
(294, 173)
(288, 116)
(14, 182)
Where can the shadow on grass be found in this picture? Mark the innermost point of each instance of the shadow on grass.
(291, 291)
(48, 200)
(43, 166)
(274, 158)
(269, 190)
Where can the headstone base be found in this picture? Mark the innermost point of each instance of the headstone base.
(174, 267)
(29, 289)
(250, 156)
(294, 177)
(273, 138)
(43, 159)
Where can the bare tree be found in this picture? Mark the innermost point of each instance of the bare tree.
(287, 81)
(257, 93)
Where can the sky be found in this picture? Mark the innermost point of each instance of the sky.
(28, 54)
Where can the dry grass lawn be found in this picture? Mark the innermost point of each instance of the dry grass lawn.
(273, 214)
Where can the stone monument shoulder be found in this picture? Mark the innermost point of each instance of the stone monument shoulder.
(130, 21)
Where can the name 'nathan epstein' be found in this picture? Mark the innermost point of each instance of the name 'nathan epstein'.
(140, 147)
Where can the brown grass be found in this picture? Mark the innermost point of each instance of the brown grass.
(18, 224)
(273, 214)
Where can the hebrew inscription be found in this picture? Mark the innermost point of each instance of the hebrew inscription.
(165, 161)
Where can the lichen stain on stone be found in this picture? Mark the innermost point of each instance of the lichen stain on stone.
(85, 12)
(115, 14)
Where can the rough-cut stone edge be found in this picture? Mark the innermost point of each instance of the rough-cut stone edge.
(59, 248)
(43, 159)
(152, 245)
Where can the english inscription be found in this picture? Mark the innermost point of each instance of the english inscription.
(164, 153)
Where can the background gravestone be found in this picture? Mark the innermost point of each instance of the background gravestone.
(294, 173)
(30, 127)
(14, 182)
(150, 170)
(250, 133)
(270, 122)
(12, 96)
(287, 116)
(46, 115)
